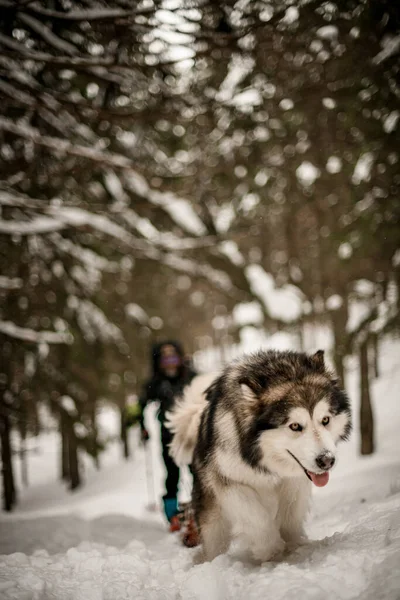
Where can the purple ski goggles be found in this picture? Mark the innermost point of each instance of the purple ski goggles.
(170, 361)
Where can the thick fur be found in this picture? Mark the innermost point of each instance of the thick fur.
(251, 469)
(184, 421)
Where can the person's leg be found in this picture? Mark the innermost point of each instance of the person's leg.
(170, 497)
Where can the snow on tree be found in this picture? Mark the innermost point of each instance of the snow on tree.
(187, 161)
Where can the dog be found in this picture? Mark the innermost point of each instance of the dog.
(257, 437)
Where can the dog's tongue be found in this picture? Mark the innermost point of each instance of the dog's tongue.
(319, 480)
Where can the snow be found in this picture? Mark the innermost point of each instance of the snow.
(329, 103)
(358, 312)
(114, 186)
(219, 278)
(286, 104)
(94, 323)
(345, 250)
(252, 338)
(266, 14)
(224, 217)
(355, 32)
(284, 303)
(248, 202)
(334, 302)
(334, 165)
(143, 225)
(391, 46)
(68, 405)
(307, 173)
(230, 249)
(291, 15)
(101, 543)
(239, 68)
(390, 121)
(364, 288)
(10, 283)
(137, 313)
(362, 170)
(248, 313)
(396, 258)
(37, 337)
(90, 259)
(181, 211)
(328, 32)
(247, 98)
(36, 225)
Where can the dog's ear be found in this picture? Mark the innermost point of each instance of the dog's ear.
(247, 393)
(318, 361)
(249, 389)
(214, 390)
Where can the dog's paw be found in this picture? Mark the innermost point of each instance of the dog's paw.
(199, 557)
(294, 538)
(294, 542)
(270, 552)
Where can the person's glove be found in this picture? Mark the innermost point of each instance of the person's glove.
(144, 436)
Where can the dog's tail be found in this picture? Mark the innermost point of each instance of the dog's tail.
(184, 420)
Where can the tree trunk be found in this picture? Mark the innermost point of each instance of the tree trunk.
(374, 355)
(339, 364)
(23, 455)
(9, 492)
(366, 416)
(35, 419)
(124, 433)
(94, 430)
(300, 336)
(24, 458)
(75, 479)
(65, 475)
(339, 321)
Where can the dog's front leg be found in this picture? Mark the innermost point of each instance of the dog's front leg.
(265, 541)
(253, 520)
(214, 534)
(294, 502)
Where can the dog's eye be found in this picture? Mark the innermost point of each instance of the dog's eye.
(325, 421)
(295, 427)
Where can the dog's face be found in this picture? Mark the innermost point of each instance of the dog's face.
(295, 425)
(305, 440)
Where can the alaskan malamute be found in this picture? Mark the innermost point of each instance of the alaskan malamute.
(258, 436)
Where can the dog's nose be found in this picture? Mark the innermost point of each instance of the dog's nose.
(325, 460)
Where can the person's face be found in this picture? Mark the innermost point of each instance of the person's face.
(170, 361)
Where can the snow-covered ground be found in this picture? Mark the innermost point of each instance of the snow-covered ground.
(103, 543)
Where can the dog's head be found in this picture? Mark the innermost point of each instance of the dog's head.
(294, 414)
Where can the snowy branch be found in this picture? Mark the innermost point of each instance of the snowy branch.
(10, 283)
(61, 146)
(37, 225)
(390, 48)
(37, 337)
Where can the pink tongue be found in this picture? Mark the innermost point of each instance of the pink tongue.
(319, 480)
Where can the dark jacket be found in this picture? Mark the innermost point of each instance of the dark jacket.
(162, 388)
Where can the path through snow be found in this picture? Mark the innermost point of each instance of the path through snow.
(100, 543)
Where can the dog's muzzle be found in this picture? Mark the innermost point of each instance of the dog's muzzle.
(325, 461)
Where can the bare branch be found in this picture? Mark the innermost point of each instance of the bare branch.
(47, 34)
(17, 95)
(80, 15)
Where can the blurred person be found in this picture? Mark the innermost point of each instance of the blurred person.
(171, 372)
